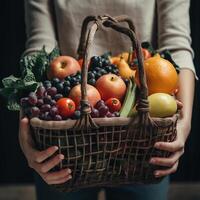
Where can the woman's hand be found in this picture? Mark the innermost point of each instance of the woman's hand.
(176, 148)
(37, 159)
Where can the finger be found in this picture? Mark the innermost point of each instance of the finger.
(168, 162)
(160, 173)
(25, 138)
(179, 104)
(60, 181)
(169, 146)
(55, 176)
(40, 156)
(46, 166)
(24, 128)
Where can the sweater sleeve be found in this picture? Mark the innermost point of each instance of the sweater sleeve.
(40, 26)
(174, 31)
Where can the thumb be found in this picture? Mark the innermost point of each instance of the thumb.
(25, 137)
(24, 126)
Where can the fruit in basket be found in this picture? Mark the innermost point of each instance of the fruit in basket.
(62, 67)
(66, 107)
(111, 86)
(124, 69)
(160, 74)
(100, 66)
(102, 110)
(129, 100)
(92, 94)
(162, 105)
(113, 104)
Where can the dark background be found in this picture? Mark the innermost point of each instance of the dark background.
(13, 166)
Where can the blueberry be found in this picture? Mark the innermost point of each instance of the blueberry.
(59, 87)
(58, 96)
(98, 75)
(78, 77)
(96, 62)
(105, 62)
(47, 84)
(66, 90)
(103, 71)
(68, 78)
(77, 114)
(55, 81)
(98, 69)
(91, 75)
(115, 71)
(108, 68)
(126, 81)
(92, 81)
(76, 83)
(67, 84)
(94, 72)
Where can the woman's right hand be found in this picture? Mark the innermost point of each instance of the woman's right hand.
(37, 159)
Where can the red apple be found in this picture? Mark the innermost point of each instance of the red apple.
(92, 95)
(111, 86)
(63, 66)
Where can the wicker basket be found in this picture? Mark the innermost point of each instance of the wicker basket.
(107, 151)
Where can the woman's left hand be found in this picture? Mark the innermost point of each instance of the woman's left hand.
(176, 148)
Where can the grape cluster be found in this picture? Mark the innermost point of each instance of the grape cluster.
(42, 103)
(101, 110)
(99, 66)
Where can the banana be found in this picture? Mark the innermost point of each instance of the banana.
(129, 100)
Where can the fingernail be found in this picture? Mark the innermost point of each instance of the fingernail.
(156, 145)
(61, 156)
(69, 171)
(56, 148)
(69, 176)
(152, 160)
(156, 173)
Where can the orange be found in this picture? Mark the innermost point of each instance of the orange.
(160, 74)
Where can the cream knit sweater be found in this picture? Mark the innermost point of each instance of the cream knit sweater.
(164, 23)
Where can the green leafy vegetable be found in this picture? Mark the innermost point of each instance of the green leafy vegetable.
(33, 71)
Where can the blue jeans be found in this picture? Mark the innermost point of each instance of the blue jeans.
(136, 192)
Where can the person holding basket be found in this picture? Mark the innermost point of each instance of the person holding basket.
(162, 22)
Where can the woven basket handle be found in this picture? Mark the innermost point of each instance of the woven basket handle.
(86, 42)
(87, 20)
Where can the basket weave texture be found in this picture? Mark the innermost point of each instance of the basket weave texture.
(107, 151)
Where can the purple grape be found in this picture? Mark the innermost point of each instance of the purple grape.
(94, 113)
(47, 99)
(24, 102)
(109, 114)
(58, 96)
(40, 102)
(47, 116)
(40, 91)
(53, 111)
(32, 98)
(99, 104)
(103, 110)
(53, 102)
(45, 108)
(35, 111)
(57, 118)
(52, 91)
